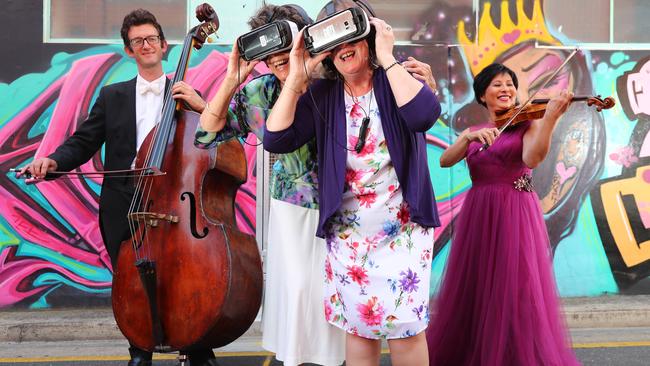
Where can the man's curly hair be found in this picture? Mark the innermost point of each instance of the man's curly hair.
(139, 17)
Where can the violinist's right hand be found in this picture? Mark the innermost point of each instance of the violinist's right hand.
(38, 168)
(484, 135)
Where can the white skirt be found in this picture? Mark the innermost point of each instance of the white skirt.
(293, 318)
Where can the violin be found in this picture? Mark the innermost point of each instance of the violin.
(537, 108)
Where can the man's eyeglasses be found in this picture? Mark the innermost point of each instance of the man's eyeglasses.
(139, 42)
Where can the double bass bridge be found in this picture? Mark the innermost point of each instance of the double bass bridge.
(152, 219)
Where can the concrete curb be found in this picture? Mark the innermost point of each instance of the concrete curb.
(98, 323)
(58, 325)
(69, 325)
(608, 311)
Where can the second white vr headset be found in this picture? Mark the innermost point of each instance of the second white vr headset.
(345, 26)
(267, 40)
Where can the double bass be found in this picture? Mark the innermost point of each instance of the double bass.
(187, 278)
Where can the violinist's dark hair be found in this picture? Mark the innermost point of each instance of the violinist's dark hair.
(139, 17)
(483, 79)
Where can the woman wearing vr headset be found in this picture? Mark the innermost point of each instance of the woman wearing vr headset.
(377, 208)
(293, 325)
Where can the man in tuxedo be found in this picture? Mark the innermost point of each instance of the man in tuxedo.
(122, 116)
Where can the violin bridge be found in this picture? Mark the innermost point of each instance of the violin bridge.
(151, 218)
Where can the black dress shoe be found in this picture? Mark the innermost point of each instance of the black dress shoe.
(139, 357)
(204, 357)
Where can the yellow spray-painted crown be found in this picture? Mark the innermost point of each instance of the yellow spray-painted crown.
(493, 41)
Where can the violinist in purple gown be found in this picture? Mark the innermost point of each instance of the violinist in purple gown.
(498, 302)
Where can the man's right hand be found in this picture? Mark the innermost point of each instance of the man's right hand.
(38, 168)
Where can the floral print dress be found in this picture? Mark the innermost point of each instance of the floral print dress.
(379, 262)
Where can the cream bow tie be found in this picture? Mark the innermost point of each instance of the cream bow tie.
(144, 87)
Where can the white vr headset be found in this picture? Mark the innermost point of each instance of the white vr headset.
(345, 26)
(267, 40)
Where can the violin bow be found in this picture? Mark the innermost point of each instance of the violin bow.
(532, 96)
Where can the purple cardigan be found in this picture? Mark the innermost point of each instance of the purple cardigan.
(404, 129)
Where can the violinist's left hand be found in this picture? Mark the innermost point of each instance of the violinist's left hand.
(183, 91)
(558, 105)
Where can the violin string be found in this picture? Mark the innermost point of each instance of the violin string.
(548, 79)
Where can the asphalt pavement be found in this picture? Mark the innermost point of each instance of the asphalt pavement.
(606, 330)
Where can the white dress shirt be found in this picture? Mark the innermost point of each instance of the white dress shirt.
(148, 106)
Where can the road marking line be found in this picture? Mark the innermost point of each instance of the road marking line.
(611, 344)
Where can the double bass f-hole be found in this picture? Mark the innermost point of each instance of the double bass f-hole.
(192, 201)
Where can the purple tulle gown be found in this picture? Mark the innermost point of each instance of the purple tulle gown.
(498, 304)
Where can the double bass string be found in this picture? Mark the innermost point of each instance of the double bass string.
(155, 152)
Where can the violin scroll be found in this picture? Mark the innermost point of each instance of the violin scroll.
(600, 103)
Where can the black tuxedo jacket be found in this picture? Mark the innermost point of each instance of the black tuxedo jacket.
(112, 121)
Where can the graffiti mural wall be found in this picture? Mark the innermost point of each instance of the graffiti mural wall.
(594, 186)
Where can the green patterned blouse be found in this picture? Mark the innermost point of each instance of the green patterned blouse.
(294, 174)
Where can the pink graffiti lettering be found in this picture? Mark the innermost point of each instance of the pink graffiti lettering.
(72, 199)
